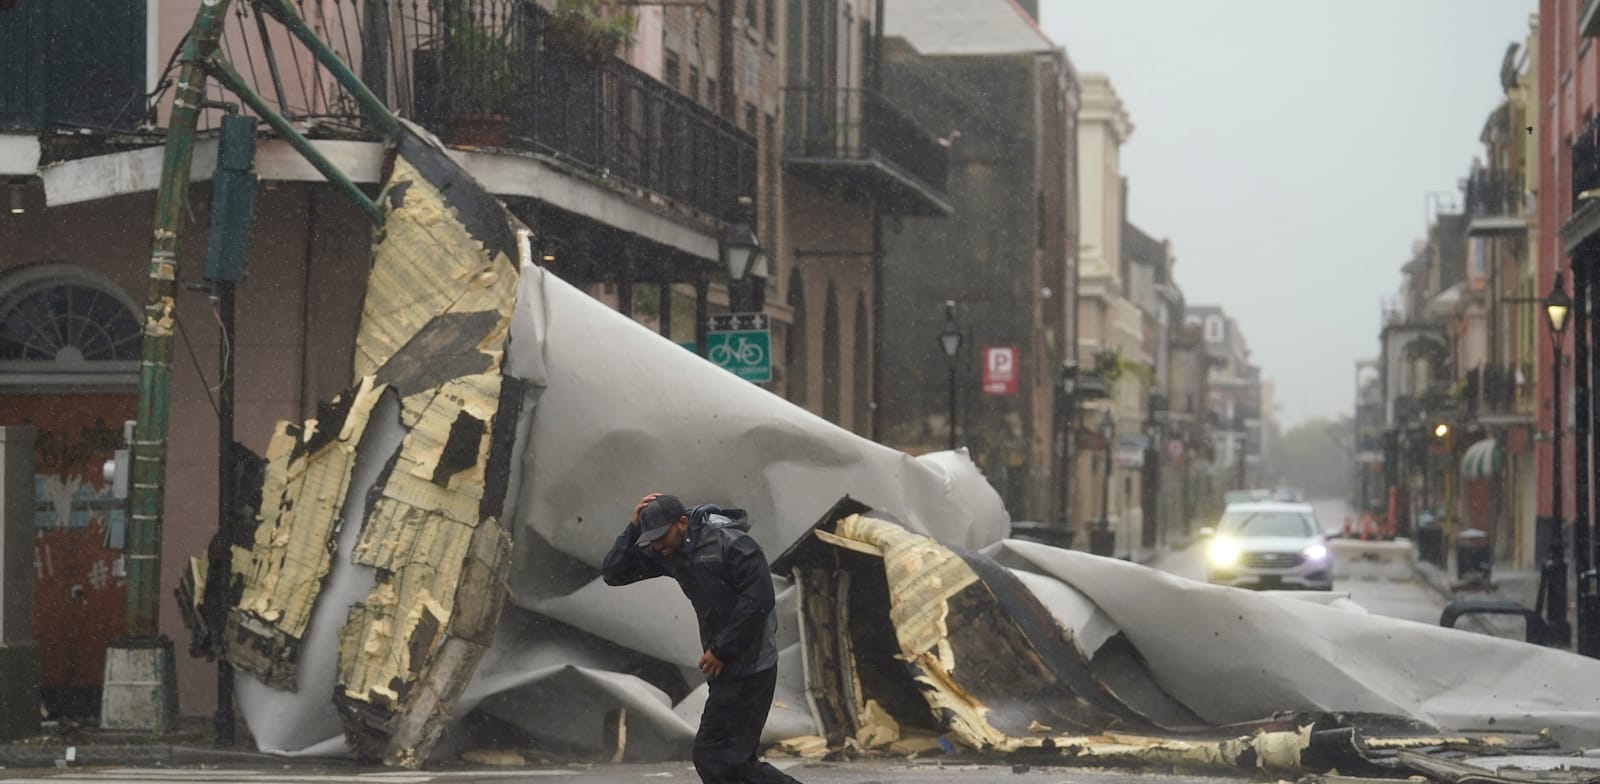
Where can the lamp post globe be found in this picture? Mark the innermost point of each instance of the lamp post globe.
(1558, 306)
(741, 249)
(742, 255)
(950, 334)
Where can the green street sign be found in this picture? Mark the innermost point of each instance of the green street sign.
(741, 343)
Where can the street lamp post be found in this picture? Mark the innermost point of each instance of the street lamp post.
(1069, 394)
(1554, 577)
(1102, 540)
(950, 341)
(746, 262)
(1585, 641)
(1153, 522)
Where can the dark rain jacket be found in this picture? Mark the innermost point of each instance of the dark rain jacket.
(725, 575)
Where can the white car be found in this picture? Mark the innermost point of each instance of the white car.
(1267, 544)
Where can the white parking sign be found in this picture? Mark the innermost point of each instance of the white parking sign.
(1000, 370)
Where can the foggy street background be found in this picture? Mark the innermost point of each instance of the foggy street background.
(1411, 599)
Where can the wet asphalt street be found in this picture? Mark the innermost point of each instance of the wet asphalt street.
(1408, 599)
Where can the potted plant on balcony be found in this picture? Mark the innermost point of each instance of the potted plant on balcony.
(472, 69)
(579, 30)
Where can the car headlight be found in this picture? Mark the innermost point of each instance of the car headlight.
(1316, 552)
(1224, 552)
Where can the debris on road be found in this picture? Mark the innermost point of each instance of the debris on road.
(426, 553)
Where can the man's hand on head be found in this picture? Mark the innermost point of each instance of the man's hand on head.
(710, 664)
(643, 502)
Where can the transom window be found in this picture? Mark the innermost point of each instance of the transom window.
(69, 322)
(63, 327)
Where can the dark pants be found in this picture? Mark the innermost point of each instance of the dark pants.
(730, 731)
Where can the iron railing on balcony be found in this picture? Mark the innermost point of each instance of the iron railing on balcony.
(1493, 391)
(492, 73)
(73, 63)
(1494, 192)
(1589, 19)
(620, 122)
(1585, 161)
(1499, 389)
(858, 123)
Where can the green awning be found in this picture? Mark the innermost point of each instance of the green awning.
(1481, 460)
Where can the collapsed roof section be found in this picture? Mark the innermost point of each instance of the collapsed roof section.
(434, 324)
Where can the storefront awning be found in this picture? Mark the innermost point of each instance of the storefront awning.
(1481, 460)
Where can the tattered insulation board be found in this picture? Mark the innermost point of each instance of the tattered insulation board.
(433, 328)
(901, 634)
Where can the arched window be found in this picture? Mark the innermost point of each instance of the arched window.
(861, 415)
(64, 325)
(830, 357)
(794, 342)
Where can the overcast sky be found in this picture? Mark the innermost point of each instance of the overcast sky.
(1287, 147)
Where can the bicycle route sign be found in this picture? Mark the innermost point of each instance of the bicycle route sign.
(742, 344)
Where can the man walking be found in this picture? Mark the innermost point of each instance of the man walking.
(724, 573)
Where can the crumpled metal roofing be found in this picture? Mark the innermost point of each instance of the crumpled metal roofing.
(506, 405)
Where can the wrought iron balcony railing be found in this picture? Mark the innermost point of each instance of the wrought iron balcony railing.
(1494, 192)
(1499, 391)
(1589, 19)
(485, 73)
(857, 134)
(501, 73)
(1585, 161)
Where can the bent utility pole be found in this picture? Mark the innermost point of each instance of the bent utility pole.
(140, 688)
(140, 692)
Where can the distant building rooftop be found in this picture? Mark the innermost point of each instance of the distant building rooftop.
(964, 27)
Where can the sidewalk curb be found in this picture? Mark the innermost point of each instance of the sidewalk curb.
(1148, 557)
(1439, 583)
(90, 753)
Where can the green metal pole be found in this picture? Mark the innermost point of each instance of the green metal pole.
(229, 78)
(146, 499)
(286, 13)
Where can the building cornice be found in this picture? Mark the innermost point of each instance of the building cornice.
(1102, 105)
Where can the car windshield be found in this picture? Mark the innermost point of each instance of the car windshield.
(1266, 524)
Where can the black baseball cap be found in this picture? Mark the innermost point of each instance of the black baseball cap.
(657, 516)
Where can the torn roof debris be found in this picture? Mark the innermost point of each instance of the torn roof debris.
(426, 550)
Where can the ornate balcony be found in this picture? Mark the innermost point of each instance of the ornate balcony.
(857, 138)
(1495, 203)
(498, 75)
(1586, 164)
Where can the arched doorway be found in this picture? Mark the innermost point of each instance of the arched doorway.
(69, 364)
